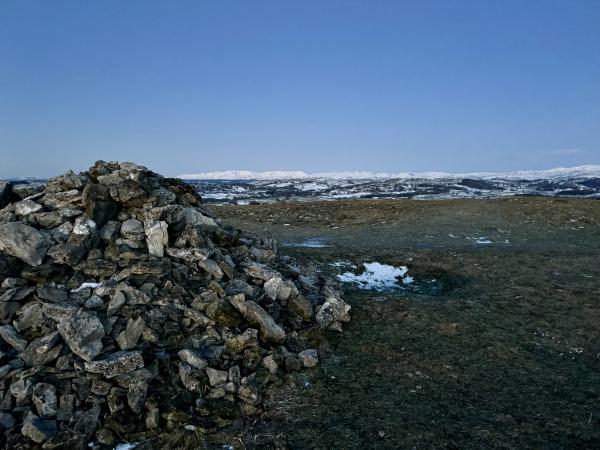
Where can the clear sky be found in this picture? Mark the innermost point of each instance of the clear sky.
(194, 86)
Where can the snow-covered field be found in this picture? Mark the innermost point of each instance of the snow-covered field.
(243, 187)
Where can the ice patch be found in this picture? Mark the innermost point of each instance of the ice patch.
(309, 243)
(377, 277)
(126, 446)
(481, 240)
(340, 264)
(85, 286)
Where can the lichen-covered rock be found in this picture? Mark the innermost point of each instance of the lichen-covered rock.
(24, 242)
(83, 333)
(117, 363)
(257, 316)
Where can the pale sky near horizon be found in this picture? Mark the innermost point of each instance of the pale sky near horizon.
(394, 86)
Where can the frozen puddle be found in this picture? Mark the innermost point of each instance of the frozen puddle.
(378, 277)
(309, 243)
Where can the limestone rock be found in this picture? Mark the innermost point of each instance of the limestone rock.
(116, 364)
(24, 242)
(257, 316)
(83, 333)
(157, 237)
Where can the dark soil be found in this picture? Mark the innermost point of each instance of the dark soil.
(502, 350)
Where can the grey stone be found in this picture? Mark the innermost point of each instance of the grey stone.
(26, 207)
(301, 306)
(190, 382)
(223, 313)
(28, 316)
(215, 376)
(44, 399)
(38, 430)
(211, 267)
(334, 310)
(237, 344)
(54, 295)
(269, 330)
(21, 390)
(309, 357)
(25, 190)
(110, 231)
(24, 242)
(136, 396)
(128, 339)
(5, 191)
(193, 358)
(12, 338)
(117, 363)
(60, 200)
(83, 333)
(65, 408)
(133, 229)
(270, 364)
(157, 236)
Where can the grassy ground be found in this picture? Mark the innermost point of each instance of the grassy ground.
(501, 351)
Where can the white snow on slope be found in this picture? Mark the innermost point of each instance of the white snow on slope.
(579, 171)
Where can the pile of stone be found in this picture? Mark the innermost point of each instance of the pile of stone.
(126, 309)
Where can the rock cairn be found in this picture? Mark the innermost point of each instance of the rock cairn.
(126, 309)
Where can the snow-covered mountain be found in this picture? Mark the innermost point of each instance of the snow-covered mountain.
(245, 187)
(580, 171)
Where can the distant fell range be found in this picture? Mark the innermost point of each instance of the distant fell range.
(249, 187)
(586, 171)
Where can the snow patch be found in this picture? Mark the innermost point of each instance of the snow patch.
(377, 276)
(309, 243)
(126, 446)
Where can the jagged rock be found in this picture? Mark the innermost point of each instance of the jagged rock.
(83, 333)
(211, 267)
(270, 364)
(5, 191)
(136, 396)
(189, 381)
(98, 203)
(44, 399)
(38, 430)
(309, 357)
(116, 364)
(333, 311)
(21, 390)
(24, 242)
(215, 376)
(301, 306)
(128, 339)
(223, 313)
(193, 358)
(257, 316)
(110, 231)
(133, 229)
(62, 200)
(26, 189)
(236, 344)
(26, 207)
(12, 338)
(157, 237)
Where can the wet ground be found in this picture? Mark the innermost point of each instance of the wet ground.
(496, 344)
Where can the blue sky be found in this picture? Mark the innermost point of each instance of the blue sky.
(194, 86)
